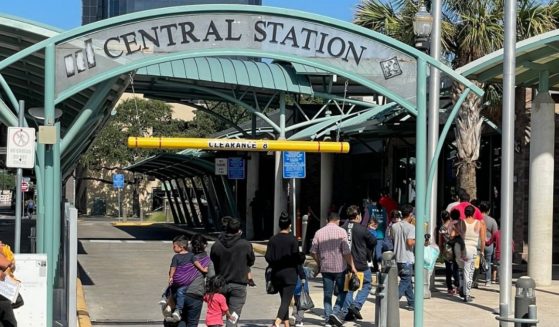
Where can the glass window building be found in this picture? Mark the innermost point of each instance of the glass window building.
(94, 10)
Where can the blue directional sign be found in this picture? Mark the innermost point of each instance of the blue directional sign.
(236, 168)
(118, 181)
(294, 165)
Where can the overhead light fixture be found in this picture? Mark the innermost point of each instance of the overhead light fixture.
(38, 113)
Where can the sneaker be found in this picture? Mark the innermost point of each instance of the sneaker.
(177, 314)
(409, 307)
(356, 312)
(299, 324)
(163, 301)
(335, 321)
(468, 299)
(349, 317)
(451, 292)
(292, 320)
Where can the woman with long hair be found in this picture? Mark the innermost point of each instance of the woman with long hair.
(193, 300)
(283, 256)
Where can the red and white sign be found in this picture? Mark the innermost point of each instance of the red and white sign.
(24, 187)
(20, 149)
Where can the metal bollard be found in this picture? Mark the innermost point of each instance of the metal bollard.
(305, 221)
(525, 300)
(387, 313)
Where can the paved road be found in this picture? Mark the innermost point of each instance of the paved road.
(124, 276)
(124, 272)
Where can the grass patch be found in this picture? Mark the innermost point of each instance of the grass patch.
(157, 216)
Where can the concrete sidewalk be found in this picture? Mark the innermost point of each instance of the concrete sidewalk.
(129, 295)
(445, 310)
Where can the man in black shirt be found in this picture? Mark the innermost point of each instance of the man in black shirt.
(362, 244)
(232, 257)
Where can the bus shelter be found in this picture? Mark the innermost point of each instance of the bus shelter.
(82, 72)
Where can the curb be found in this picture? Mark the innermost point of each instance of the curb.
(131, 223)
(81, 306)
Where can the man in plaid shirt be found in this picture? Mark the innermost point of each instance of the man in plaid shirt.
(330, 250)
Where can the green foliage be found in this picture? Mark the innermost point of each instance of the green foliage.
(134, 117)
(208, 121)
(157, 216)
(470, 29)
(7, 180)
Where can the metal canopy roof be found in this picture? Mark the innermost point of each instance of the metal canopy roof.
(26, 77)
(170, 166)
(533, 56)
(232, 72)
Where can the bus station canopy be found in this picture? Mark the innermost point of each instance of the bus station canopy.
(534, 56)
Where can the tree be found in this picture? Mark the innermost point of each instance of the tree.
(133, 117)
(207, 120)
(470, 30)
(109, 151)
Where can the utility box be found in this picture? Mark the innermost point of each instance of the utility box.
(31, 270)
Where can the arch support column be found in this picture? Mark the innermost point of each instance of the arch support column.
(326, 184)
(280, 201)
(540, 219)
(253, 224)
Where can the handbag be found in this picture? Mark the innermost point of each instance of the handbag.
(352, 282)
(18, 303)
(270, 289)
(305, 302)
(483, 264)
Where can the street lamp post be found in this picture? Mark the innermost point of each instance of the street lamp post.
(422, 25)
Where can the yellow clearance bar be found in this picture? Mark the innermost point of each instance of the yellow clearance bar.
(236, 144)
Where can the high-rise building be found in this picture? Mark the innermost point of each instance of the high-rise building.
(94, 10)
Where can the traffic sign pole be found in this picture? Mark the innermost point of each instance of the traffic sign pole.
(294, 191)
(19, 193)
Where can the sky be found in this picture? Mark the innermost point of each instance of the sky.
(66, 14)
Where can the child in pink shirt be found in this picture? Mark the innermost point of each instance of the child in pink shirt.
(217, 305)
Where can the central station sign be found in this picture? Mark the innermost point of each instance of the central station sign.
(202, 33)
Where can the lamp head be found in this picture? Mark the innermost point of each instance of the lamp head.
(422, 22)
(38, 113)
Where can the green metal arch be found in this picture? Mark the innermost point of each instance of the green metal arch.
(173, 11)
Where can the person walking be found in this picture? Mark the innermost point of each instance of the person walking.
(451, 268)
(283, 256)
(331, 252)
(232, 257)
(194, 297)
(471, 231)
(491, 227)
(217, 305)
(182, 271)
(362, 244)
(403, 234)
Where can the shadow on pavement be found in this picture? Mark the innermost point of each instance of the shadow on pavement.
(84, 277)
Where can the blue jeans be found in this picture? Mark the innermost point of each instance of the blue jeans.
(192, 309)
(488, 253)
(405, 271)
(377, 257)
(328, 282)
(180, 293)
(362, 294)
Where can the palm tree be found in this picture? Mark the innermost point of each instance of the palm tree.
(470, 30)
